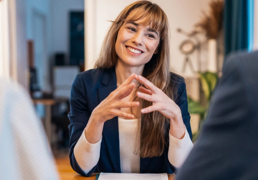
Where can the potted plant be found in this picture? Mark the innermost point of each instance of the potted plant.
(208, 83)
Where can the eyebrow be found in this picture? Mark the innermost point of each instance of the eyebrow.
(149, 29)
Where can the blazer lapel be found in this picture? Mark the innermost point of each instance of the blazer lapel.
(110, 130)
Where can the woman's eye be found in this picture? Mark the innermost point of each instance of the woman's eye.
(150, 35)
(132, 29)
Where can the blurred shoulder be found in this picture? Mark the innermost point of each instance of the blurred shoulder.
(243, 67)
(241, 59)
(10, 88)
(13, 98)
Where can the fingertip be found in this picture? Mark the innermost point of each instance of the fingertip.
(133, 85)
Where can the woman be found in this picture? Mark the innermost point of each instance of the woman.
(130, 113)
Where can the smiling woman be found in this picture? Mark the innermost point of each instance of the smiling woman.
(130, 113)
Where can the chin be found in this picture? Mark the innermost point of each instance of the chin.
(134, 62)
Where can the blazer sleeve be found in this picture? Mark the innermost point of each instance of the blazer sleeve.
(181, 101)
(79, 115)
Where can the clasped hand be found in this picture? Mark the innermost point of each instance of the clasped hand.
(111, 106)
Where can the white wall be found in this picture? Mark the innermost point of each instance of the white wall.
(41, 7)
(60, 23)
(19, 61)
(181, 13)
(13, 51)
(4, 41)
(56, 13)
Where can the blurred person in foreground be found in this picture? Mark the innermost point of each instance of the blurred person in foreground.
(227, 148)
(24, 150)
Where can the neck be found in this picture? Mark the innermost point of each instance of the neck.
(123, 72)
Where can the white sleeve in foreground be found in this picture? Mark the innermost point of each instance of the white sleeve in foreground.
(179, 149)
(87, 154)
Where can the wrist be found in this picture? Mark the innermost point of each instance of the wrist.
(177, 118)
(177, 126)
(93, 131)
(97, 118)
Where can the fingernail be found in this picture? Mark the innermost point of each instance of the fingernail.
(143, 111)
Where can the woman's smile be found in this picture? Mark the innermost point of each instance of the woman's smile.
(134, 51)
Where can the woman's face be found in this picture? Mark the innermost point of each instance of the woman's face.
(136, 43)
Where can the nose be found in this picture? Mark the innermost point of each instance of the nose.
(137, 39)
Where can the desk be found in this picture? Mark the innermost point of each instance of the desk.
(75, 176)
(47, 122)
(66, 172)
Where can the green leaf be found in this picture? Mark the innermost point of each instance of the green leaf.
(208, 82)
(205, 85)
(195, 107)
(212, 79)
(195, 136)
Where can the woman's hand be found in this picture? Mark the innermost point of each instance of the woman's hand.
(162, 103)
(111, 106)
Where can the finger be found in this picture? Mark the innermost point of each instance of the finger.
(144, 90)
(149, 109)
(146, 83)
(123, 114)
(128, 80)
(125, 91)
(146, 97)
(127, 104)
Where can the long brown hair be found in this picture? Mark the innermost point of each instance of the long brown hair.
(153, 126)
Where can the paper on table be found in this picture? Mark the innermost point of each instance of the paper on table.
(130, 176)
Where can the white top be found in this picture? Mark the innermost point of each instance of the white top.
(24, 150)
(130, 163)
(87, 155)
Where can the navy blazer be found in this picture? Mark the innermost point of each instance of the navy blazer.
(88, 90)
(227, 148)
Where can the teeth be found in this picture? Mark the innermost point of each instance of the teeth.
(134, 50)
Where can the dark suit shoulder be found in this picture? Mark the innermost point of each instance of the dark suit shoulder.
(244, 65)
(242, 57)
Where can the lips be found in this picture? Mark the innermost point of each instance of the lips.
(134, 50)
